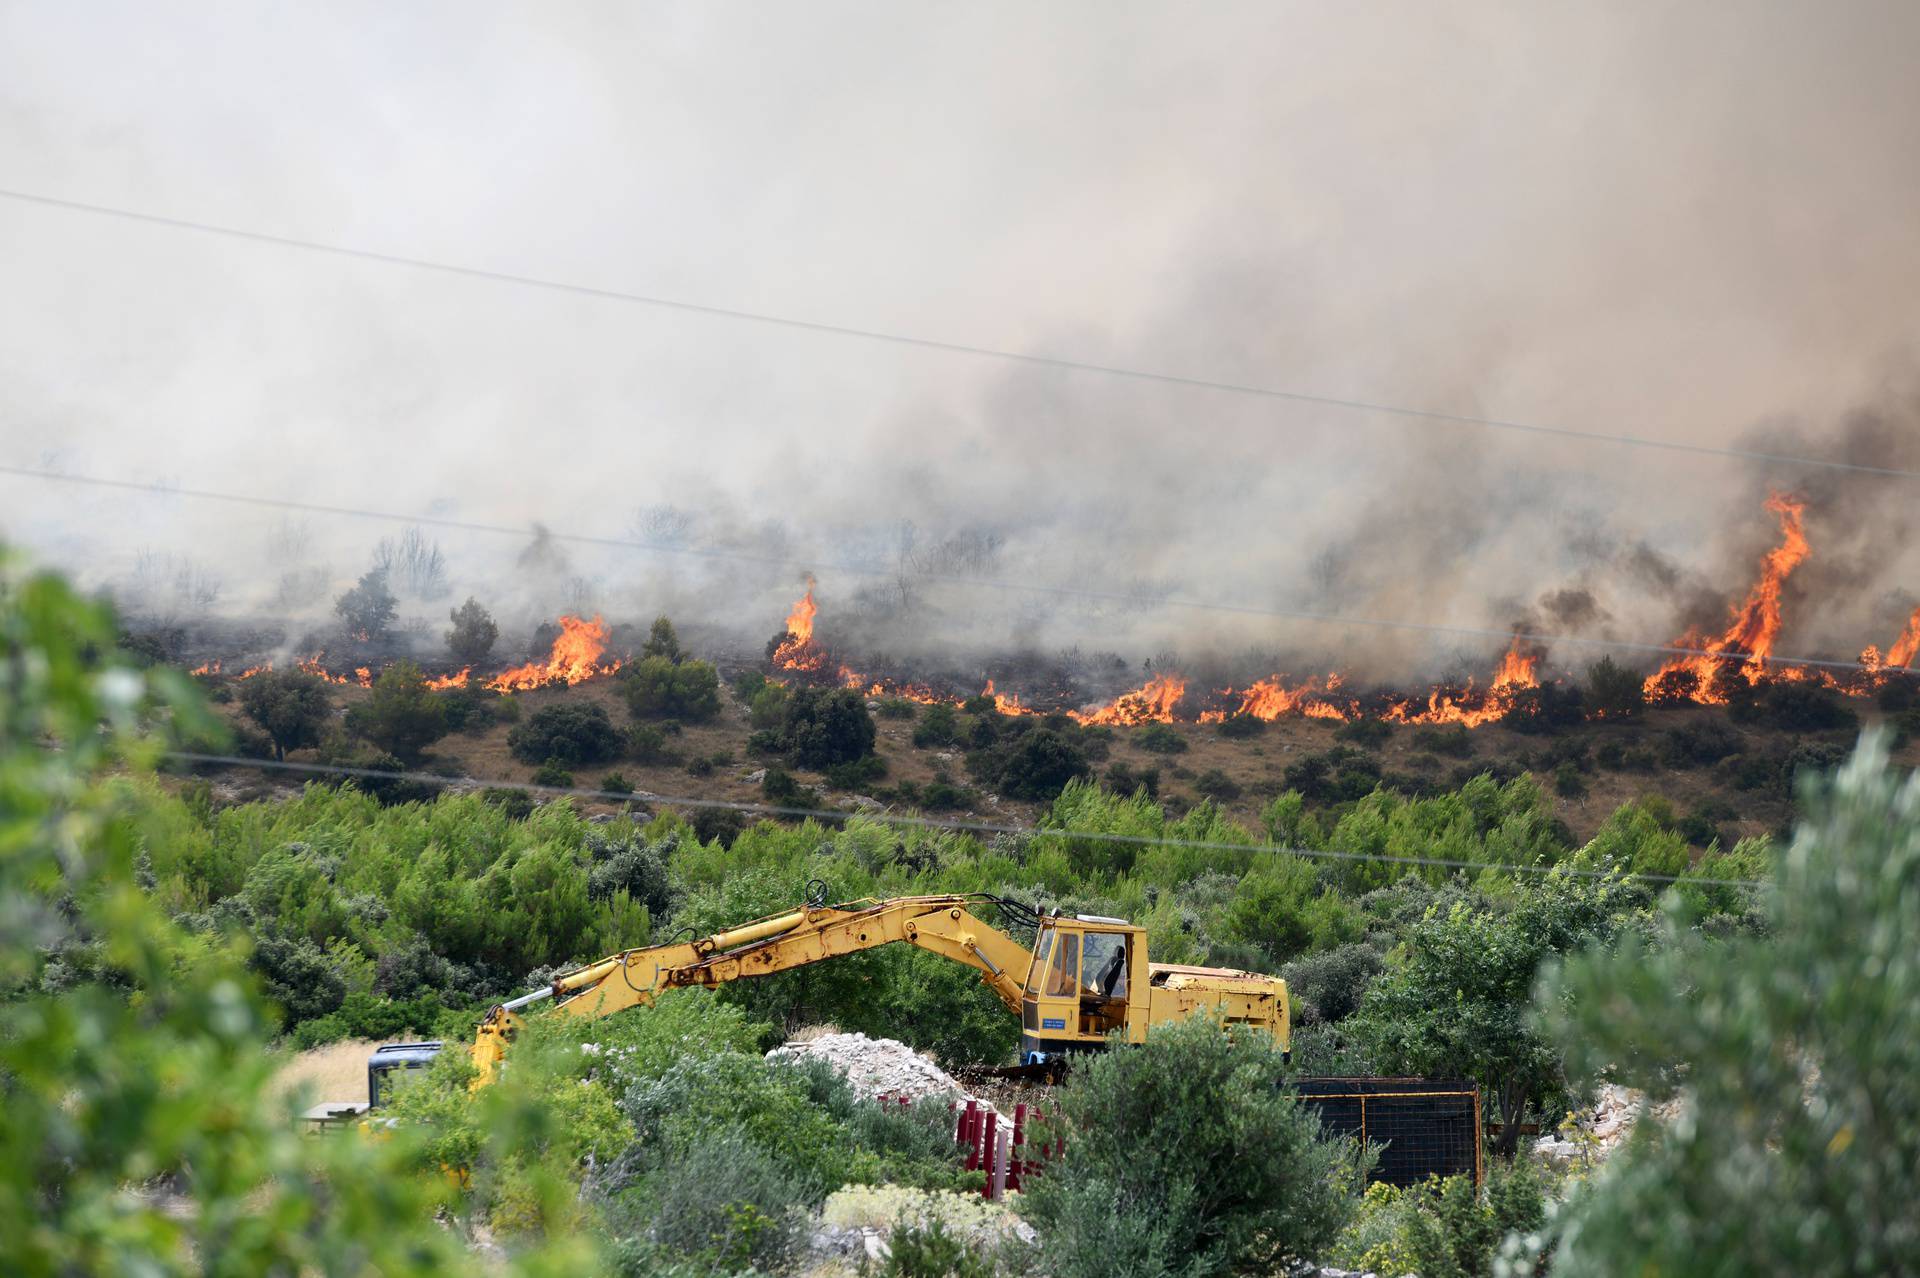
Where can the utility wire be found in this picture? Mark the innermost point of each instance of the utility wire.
(1242, 389)
(1081, 593)
(927, 823)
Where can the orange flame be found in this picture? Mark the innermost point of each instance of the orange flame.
(1518, 670)
(575, 658)
(450, 681)
(312, 666)
(1907, 646)
(1270, 698)
(1748, 638)
(1151, 703)
(206, 668)
(1005, 702)
(264, 667)
(798, 651)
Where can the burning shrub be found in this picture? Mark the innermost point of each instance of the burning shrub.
(291, 706)
(658, 688)
(1160, 738)
(939, 726)
(571, 732)
(824, 726)
(368, 607)
(403, 716)
(473, 633)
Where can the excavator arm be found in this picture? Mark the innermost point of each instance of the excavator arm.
(942, 925)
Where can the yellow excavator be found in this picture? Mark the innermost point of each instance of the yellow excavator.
(1085, 978)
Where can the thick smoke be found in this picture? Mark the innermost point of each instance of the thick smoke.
(1680, 224)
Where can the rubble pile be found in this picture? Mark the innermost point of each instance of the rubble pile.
(876, 1066)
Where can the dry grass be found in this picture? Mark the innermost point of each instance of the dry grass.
(335, 1072)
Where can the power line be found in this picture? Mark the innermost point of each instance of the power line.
(928, 823)
(1241, 389)
(1081, 593)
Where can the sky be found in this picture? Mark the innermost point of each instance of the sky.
(1681, 222)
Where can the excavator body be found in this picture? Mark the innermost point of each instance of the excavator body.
(1086, 979)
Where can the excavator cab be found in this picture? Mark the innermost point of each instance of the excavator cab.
(1086, 981)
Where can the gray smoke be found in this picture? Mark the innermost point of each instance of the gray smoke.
(1689, 224)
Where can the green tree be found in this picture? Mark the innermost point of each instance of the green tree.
(658, 688)
(1798, 1149)
(662, 641)
(1458, 1002)
(155, 1070)
(1187, 1156)
(403, 716)
(571, 732)
(368, 607)
(290, 706)
(473, 633)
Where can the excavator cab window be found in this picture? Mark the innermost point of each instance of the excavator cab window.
(1106, 965)
(1063, 972)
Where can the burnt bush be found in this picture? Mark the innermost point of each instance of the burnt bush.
(571, 732)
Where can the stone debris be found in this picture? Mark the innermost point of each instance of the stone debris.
(1600, 1128)
(876, 1066)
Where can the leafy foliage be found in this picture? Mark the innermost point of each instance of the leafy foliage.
(820, 727)
(403, 716)
(290, 706)
(368, 607)
(570, 732)
(1187, 1156)
(1800, 1150)
(473, 633)
(660, 688)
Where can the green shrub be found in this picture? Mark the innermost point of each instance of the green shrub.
(857, 775)
(1238, 727)
(1124, 781)
(569, 733)
(1614, 692)
(647, 743)
(939, 725)
(616, 783)
(768, 707)
(1035, 764)
(403, 716)
(1453, 741)
(473, 633)
(895, 708)
(1328, 986)
(1246, 1186)
(1160, 738)
(1215, 784)
(931, 1252)
(824, 726)
(554, 773)
(1368, 734)
(290, 706)
(659, 688)
(700, 766)
(1567, 781)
